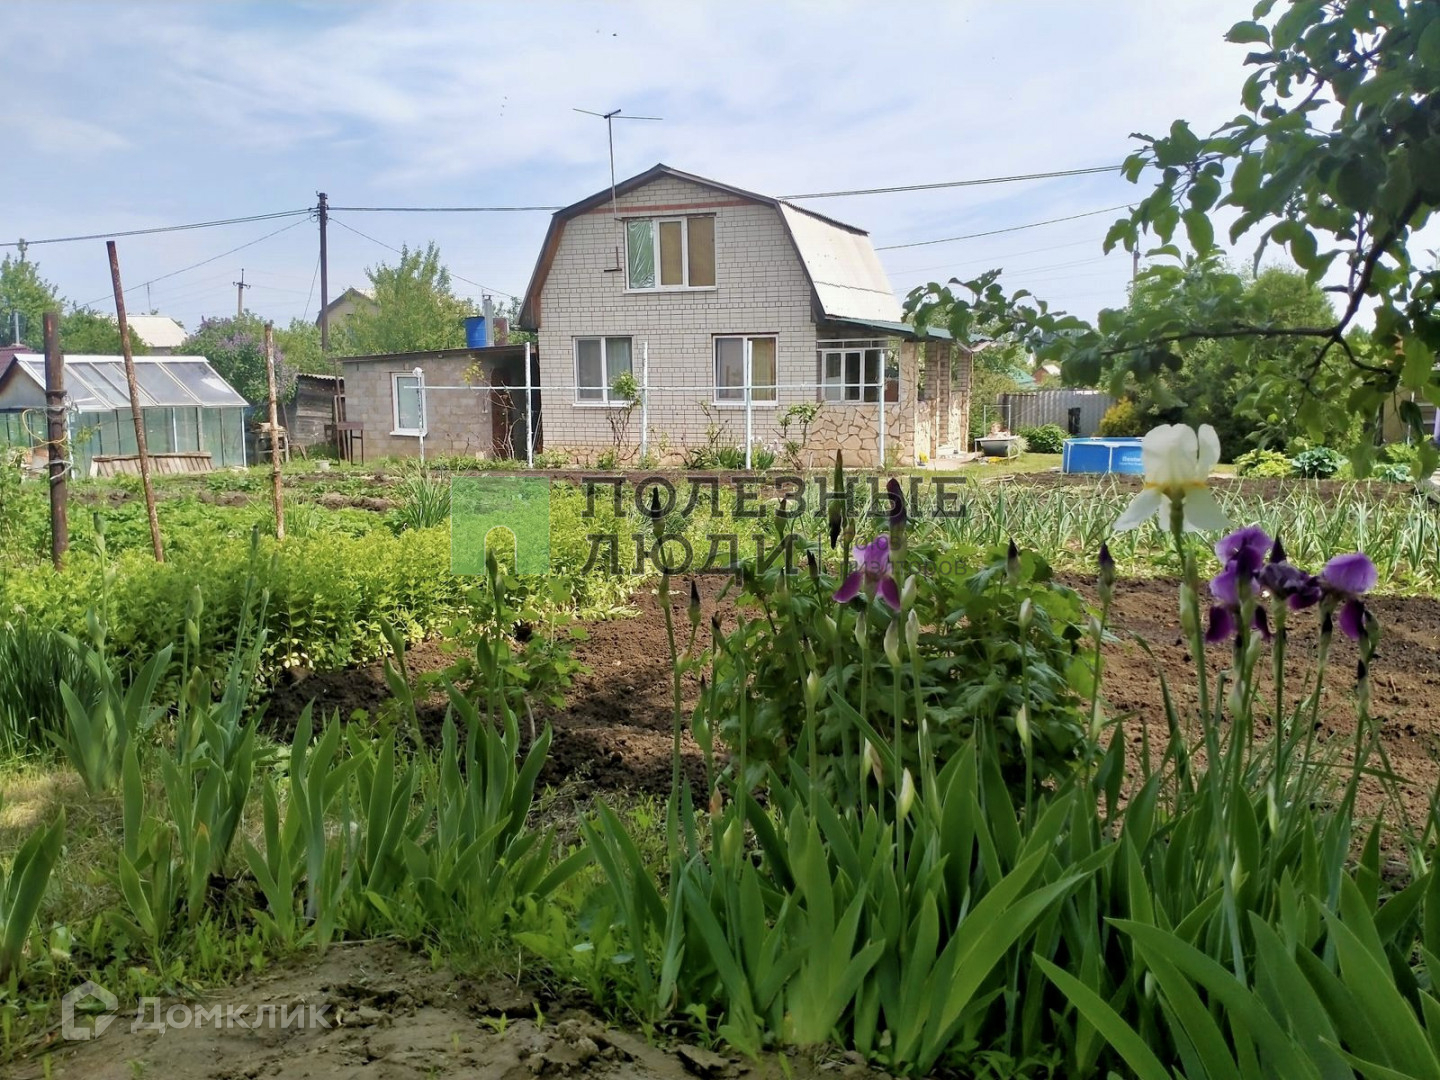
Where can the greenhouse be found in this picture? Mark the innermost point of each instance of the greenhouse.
(187, 408)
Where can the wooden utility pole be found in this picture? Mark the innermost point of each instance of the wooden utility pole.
(275, 481)
(55, 437)
(134, 387)
(240, 288)
(322, 211)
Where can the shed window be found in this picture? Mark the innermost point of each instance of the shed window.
(409, 408)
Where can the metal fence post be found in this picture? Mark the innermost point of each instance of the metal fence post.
(644, 400)
(529, 415)
(881, 395)
(749, 406)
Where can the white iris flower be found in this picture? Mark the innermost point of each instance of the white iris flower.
(1177, 460)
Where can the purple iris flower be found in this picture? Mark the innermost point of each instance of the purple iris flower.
(1345, 579)
(1298, 589)
(1244, 549)
(872, 572)
(1243, 553)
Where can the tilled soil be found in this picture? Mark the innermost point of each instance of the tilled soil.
(615, 729)
(387, 1014)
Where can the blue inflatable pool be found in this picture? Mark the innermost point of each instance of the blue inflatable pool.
(1099, 455)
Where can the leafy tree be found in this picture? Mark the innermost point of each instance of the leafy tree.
(24, 292)
(414, 309)
(235, 348)
(1335, 158)
(87, 333)
(1214, 380)
(300, 342)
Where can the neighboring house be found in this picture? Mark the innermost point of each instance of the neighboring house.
(160, 334)
(731, 307)
(472, 402)
(345, 305)
(186, 407)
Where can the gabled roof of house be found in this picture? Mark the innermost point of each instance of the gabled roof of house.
(352, 294)
(97, 383)
(846, 278)
(156, 331)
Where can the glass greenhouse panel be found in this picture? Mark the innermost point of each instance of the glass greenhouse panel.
(202, 383)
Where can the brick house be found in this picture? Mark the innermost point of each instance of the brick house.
(728, 308)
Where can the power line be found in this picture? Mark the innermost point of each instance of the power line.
(391, 247)
(445, 209)
(1009, 229)
(157, 229)
(956, 183)
(202, 262)
(311, 296)
(991, 259)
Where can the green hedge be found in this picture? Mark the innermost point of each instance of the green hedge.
(328, 594)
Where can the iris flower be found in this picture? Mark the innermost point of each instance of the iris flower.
(1177, 461)
(1288, 582)
(872, 572)
(1345, 579)
(1243, 554)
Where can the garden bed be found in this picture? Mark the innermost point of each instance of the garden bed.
(614, 732)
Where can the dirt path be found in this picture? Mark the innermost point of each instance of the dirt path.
(387, 1015)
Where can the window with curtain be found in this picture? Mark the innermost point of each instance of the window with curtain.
(405, 397)
(599, 361)
(742, 361)
(670, 253)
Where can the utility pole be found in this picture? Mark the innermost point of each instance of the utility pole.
(322, 211)
(135, 413)
(240, 288)
(1135, 265)
(55, 436)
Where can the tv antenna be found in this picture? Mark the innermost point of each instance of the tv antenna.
(610, 118)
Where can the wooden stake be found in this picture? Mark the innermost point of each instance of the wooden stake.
(275, 481)
(55, 437)
(135, 413)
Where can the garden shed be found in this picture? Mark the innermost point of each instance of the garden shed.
(188, 409)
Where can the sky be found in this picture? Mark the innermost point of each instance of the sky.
(121, 116)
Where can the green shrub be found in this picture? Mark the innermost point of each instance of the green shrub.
(979, 668)
(1394, 474)
(1121, 420)
(1045, 439)
(1317, 463)
(1263, 463)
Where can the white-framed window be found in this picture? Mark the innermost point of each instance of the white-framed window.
(407, 404)
(743, 360)
(851, 371)
(670, 253)
(599, 361)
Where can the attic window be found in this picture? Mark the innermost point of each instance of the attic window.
(670, 253)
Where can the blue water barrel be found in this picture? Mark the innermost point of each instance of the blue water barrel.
(475, 335)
